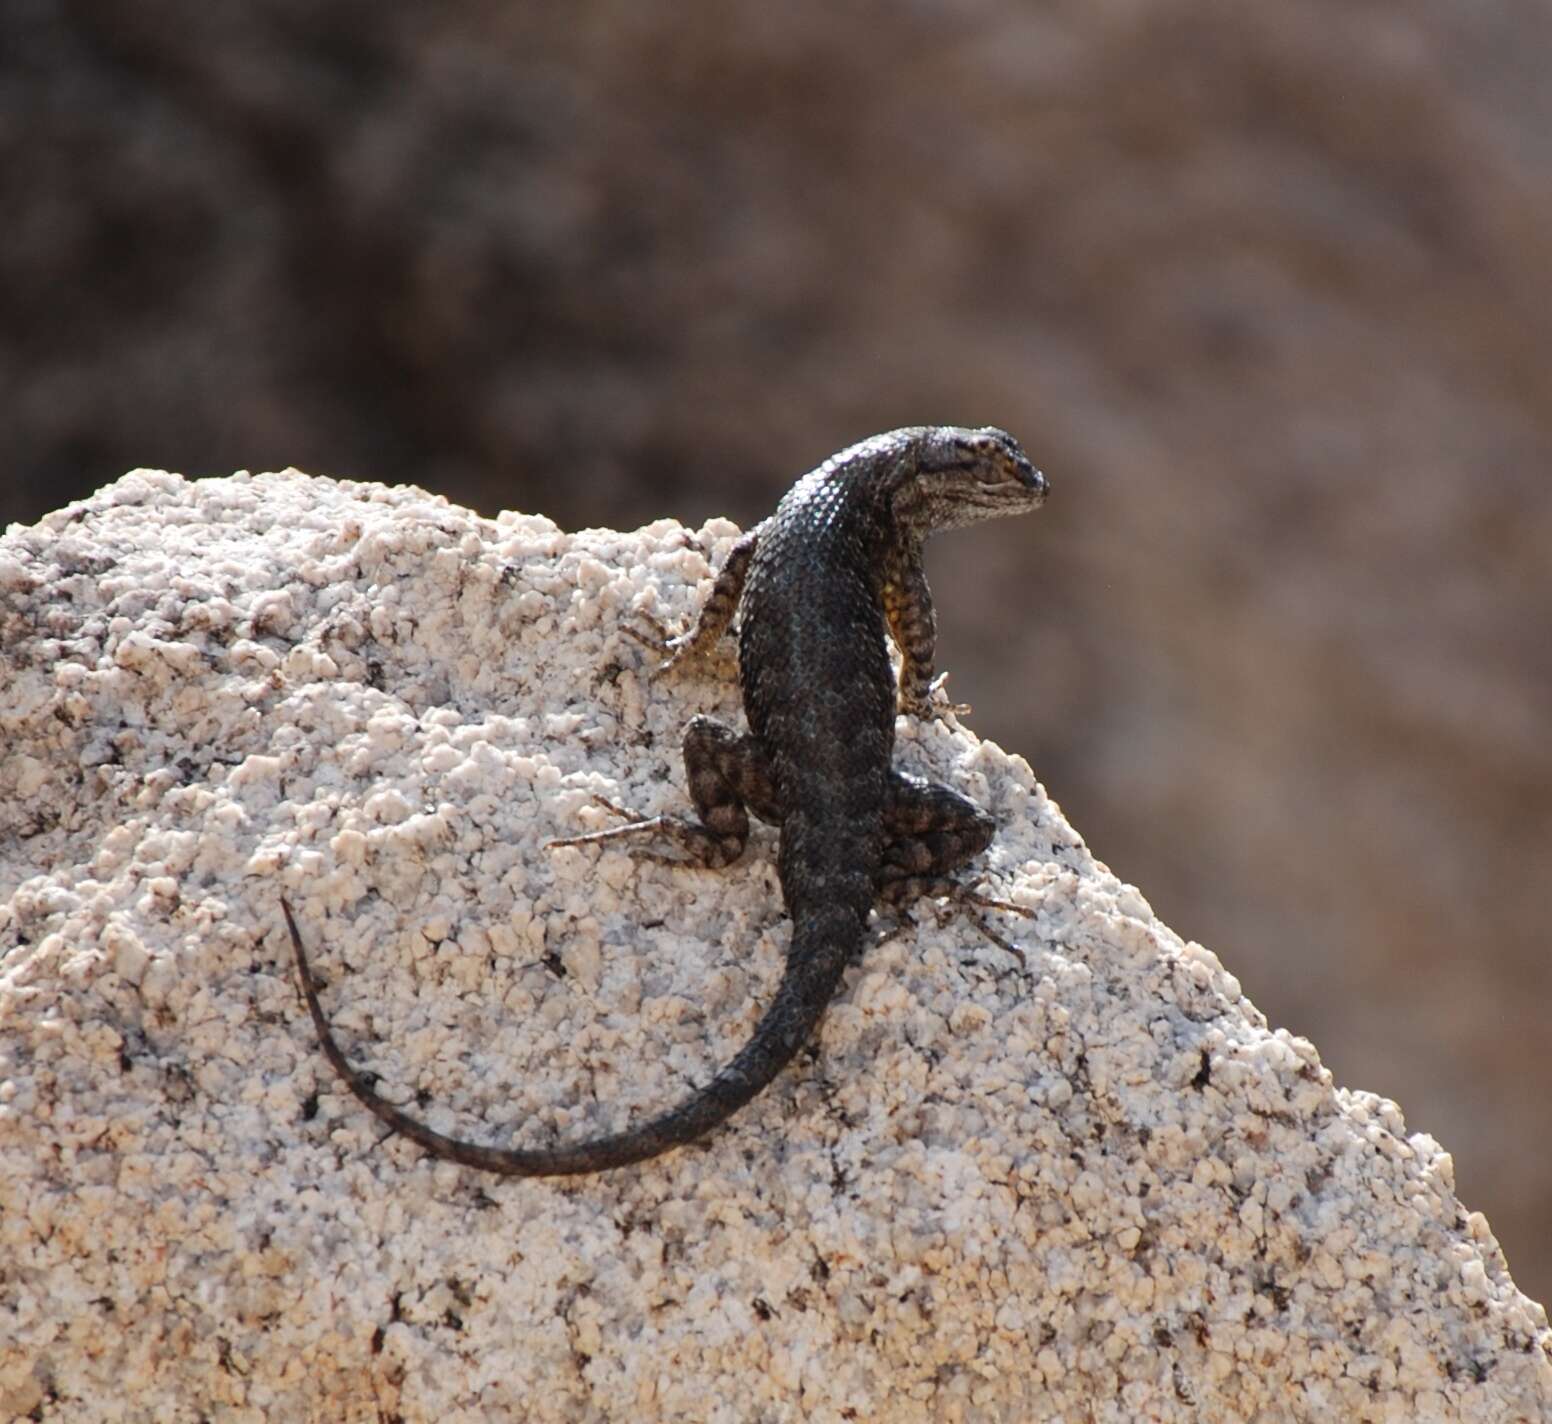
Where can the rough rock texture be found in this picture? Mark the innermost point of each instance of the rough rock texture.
(1096, 1189)
(1260, 283)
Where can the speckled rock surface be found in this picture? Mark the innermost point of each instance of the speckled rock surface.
(1096, 1188)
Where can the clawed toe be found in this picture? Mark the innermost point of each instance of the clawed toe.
(999, 940)
(657, 639)
(936, 705)
(636, 824)
(969, 896)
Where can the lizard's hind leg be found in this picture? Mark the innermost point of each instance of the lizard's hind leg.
(728, 776)
(932, 831)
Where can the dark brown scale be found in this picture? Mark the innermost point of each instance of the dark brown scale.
(818, 587)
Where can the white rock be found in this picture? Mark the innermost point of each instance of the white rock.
(1096, 1189)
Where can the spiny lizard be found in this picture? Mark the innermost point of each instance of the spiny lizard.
(815, 586)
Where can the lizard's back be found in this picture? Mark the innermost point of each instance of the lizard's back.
(819, 693)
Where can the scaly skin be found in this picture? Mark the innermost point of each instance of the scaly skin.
(817, 586)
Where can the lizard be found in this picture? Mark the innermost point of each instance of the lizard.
(817, 587)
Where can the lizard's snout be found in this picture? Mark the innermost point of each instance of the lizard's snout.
(1033, 480)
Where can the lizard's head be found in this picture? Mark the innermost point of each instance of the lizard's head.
(963, 476)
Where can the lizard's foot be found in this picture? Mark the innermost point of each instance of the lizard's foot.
(969, 897)
(673, 648)
(936, 706)
(702, 848)
(958, 899)
(905, 890)
(656, 638)
(635, 825)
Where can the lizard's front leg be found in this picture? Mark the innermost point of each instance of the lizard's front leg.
(715, 615)
(725, 772)
(913, 624)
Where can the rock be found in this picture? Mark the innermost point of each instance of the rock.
(1248, 278)
(1097, 1186)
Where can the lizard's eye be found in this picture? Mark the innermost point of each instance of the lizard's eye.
(993, 462)
(963, 454)
(993, 465)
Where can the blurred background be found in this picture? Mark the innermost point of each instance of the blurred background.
(1264, 289)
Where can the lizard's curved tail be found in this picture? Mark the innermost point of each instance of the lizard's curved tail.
(823, 941)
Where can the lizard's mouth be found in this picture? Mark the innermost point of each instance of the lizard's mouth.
(1033, 480)
(1025, 487)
